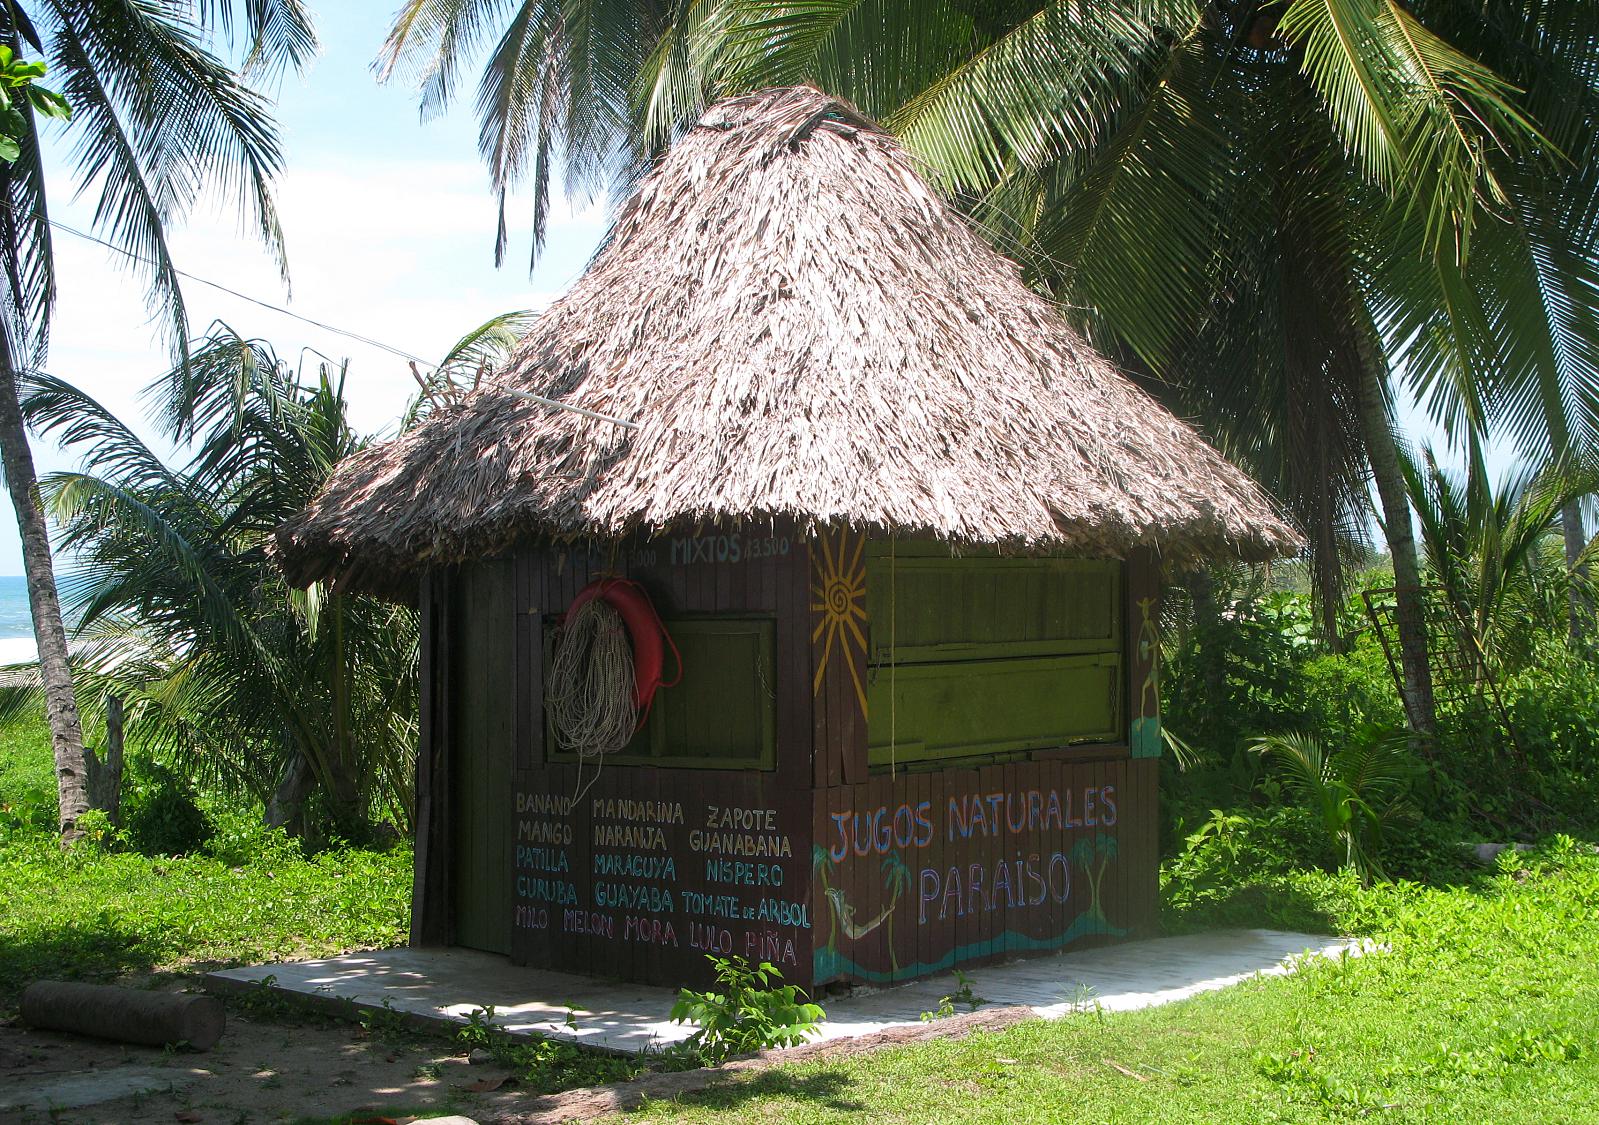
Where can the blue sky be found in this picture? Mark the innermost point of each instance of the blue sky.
(390, 231)
(389, 223)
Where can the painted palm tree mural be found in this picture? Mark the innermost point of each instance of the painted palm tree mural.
(896, 880)
(821, 864)
(1085, 852)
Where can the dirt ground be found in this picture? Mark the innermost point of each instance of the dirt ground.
(285, 1064)
(263, 1070)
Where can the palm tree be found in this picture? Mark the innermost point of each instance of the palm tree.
(1262, 207)
(821, 864)
(158, 119)
(1487, 547)
(1083, 856)
(223, 669)
(1354, 792)
(1085, 852)
(558, 79)
(896, 881)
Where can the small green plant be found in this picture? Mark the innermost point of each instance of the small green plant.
(1355, 791)
(99, 832)
(480, 1030)
(386, 1022)
(751, 1013)
(1085, 1001)
(962, 995)
(543, 1064)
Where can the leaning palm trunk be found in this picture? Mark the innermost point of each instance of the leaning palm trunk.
(66, 729)
(1410, 614)
(1579, 606)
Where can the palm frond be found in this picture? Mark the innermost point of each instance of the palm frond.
(1419, 116)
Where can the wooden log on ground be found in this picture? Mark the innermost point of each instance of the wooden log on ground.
(126, 1015)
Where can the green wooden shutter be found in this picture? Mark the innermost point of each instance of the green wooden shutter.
(935, 609)
(722, 712)
(982, 655)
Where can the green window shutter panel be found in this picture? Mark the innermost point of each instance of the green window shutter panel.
(939, 609)
(722, 713)
(980, 655)
(923, 712)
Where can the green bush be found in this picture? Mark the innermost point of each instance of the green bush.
(1554, 709)
(1349, 692)
(238, 837)
(751, 1013)
(161, 812)
(27, 777)
(1247, 661)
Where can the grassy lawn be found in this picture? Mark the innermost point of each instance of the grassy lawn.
(249, 896)
(1483, 1011)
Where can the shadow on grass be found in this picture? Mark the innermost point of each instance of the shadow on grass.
(94, 949)
(825, 1089)
(1268, 904)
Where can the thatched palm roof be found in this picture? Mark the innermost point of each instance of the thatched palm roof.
(799, 327)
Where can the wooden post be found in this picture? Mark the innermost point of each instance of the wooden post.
(105, 775)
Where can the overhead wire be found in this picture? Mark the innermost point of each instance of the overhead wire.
(350, 334)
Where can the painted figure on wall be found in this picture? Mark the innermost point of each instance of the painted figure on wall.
(1144, 737)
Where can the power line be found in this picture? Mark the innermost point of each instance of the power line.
(217, 285)
(323, 325)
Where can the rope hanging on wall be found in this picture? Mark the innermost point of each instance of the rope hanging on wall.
(590, 690)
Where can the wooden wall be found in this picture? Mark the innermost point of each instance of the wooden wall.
(924, 869)
(656, 866)
(824, 867)
(927, 870)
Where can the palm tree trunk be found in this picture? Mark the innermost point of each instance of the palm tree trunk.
(1578, 609)
(61, 708)
(1410, 616)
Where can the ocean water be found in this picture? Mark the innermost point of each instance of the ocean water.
(16, 622)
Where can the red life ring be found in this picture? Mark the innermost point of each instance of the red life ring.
(645, 631)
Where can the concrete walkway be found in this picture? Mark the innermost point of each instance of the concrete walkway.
(448, 984)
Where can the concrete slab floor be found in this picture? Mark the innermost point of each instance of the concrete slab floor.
(449, 984)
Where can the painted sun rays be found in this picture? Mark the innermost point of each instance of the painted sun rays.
(838, 598)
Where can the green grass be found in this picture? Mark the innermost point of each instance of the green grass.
(1483, 1011)
(27, 776)
(96, 912)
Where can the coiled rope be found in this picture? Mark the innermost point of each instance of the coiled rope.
(589, 692)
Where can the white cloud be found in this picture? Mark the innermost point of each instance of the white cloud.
(399, 252)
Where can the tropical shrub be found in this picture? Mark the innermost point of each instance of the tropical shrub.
(751, 1013)
(1351, 691)
(303, 701)
(1354, 791)
(161, 813)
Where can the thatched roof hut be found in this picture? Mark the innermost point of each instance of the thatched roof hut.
(794, 324)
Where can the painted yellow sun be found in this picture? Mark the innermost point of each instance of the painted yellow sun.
(838, 598)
